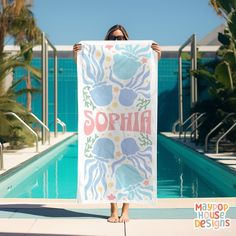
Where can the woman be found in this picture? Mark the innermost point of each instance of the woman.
(118, 32)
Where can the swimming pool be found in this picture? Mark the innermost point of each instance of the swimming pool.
(54, 175)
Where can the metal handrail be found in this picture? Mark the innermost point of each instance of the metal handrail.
(30, 129)
(192, 123)
(45, 43)
(177, 122)
(63, 125)
(216, 127)
(189, 118)
(193, 84)
(1, 157)
(221, 137)
(41, 123)
(197, 126)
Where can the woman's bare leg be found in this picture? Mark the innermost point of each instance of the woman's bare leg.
(114, 218)
(125, 213)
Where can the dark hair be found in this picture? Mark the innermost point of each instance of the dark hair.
(114, 28)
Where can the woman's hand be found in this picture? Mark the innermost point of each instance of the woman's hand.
(157, 49)
(76, 48)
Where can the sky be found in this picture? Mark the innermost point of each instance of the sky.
(168, 22)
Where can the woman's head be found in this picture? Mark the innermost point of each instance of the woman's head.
(117, 32)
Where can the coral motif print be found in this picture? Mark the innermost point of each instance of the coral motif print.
(117, 104)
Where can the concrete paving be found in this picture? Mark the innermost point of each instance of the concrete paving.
(66, 217)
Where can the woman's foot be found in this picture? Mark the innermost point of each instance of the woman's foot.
(125, 213)
(114, 218)
(124, 218)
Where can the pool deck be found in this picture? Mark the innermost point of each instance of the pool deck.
(51, 217)
(167, 217)
(227, 159)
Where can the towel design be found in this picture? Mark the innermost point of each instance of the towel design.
(117, 99)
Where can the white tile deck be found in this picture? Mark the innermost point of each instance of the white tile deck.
(173, 227)
(100, 227)
(14, 226)
(76, 227)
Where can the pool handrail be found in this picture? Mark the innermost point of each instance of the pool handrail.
(195, 119)
(41, 123)
(188, 118)
(193, 80)
(62, 124)
(1, 157)
(45, 42)
(177, 122)
(27, 126)
(221, 137)
(214, 129)
(196, 128)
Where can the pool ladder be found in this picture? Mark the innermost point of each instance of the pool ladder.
(196, 120)
(29, 128)
(222, 136)
(41, 123)
(62, 124)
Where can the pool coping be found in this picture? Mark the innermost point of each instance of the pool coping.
(199, 150)
(33, 157)
(164, 209)
(159, 203)
(206, 156)
(213, 172)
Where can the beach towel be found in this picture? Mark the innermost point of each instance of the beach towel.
(117, 123)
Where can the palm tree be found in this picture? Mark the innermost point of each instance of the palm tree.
(17, 22)
(9, 93)
(9, 12)
(220, 75)
(223, 7)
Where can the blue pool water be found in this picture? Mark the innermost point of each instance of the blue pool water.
(55, 176)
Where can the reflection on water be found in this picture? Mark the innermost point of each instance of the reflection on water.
(175, 179)
(58, 178)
